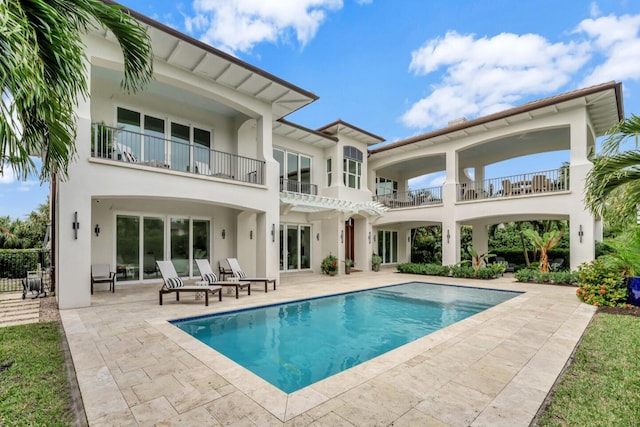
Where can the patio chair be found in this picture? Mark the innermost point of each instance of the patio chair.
(241, 275)
(210, 277)
(173, 283)
(509, 268)
(506, 187)
(101, 273)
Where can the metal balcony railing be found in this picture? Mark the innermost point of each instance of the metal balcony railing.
(549, 181)
(298, 187)
(421, 197)
(148, 150)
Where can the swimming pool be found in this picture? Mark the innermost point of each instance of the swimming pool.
(296, 344)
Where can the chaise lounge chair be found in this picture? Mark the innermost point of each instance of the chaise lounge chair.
(210, 277)
(241, 275)
(172, 283)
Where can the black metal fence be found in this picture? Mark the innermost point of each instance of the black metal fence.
(17, 264)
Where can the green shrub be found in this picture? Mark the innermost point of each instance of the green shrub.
(539, 277)
(524, 275)
(464, 271)
(428, 269)
(16, 262)
(563, 277)
(601, 284)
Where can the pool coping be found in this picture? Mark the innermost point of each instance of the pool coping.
(524, 342)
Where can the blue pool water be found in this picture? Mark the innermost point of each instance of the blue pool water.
(296, 344)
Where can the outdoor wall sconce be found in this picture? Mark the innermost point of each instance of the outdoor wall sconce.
(224, 234)
(409, 238)
(76, 225)
(97, 230)
(448, 236)
(580, 233)
(369, 237)
(250, 234)
(342, 236)
(273, 232)
(318, 237)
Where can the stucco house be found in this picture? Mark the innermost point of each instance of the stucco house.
(204, 164)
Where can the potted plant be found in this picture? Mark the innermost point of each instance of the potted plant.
(627, 258)
(329, 265)
(376, 260)
(348, 263)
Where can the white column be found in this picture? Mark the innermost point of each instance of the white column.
(480, 238)
(450, 242)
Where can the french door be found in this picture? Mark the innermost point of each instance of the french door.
(295, 247)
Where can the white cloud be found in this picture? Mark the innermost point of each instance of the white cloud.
(615, 39)
(484, 75)
(427, 181)
(594, 10)
(361, 2)
(238, 25)
(8, 176)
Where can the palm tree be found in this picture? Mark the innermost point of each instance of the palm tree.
(544, 244)
(616, 174)
(42, 74)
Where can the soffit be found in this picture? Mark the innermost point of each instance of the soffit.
(182, 51)
(302, 134)
(344, 128)
(603, 103)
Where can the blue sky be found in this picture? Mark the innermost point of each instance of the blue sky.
(400, 68)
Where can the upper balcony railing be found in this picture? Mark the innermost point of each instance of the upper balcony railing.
(550, 181)
(421, 197)
(137, 148)
(298, 187)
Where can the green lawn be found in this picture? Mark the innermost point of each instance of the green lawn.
(34, 390)
(602, 386)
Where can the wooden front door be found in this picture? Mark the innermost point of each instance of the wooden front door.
(349, 246)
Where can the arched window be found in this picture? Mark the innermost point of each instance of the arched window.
(352, 167)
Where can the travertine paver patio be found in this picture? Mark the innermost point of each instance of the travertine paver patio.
(492, 369)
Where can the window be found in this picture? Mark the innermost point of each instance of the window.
(328, 172)
(295, 172)
(144, 139)
(352, 167)
(386, 187)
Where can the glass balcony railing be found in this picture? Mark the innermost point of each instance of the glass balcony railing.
(147, 150)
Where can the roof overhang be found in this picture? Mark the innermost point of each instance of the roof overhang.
(179, 50)
(308, 203)
(351, 131)
(299, 133)
(603, 103)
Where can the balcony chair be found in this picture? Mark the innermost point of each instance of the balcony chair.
(506, 187)
(101, 273)
(540, 184)
(210, 277)
(470, 194)
(241, 275)
(172, 283)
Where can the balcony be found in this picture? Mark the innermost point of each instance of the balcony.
(527, 184)
(298, 187)
(421, 197)
(147, 150)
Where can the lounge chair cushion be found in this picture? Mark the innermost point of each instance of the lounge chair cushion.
(174, 282)
(241, 274)
(210, 278)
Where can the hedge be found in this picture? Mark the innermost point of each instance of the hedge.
(516, 256)
(14, 263)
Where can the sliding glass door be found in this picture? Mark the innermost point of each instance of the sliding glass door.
(295, 247)
(143, 240)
